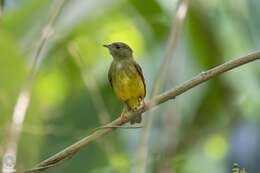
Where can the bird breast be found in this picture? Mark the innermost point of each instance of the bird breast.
(127, 83)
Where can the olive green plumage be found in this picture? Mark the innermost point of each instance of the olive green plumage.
(126, 77)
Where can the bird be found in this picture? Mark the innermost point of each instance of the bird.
(126, 79)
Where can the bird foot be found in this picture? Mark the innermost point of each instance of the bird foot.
(123, 117)
(142, 105)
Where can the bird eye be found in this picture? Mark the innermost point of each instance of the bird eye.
(117, 47)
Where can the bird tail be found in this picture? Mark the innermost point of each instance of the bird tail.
(133, 105)
(137, 119)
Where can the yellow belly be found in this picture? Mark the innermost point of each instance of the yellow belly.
(128, 86)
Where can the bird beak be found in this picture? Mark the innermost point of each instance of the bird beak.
(107, 46)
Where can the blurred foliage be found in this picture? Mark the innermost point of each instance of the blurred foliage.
(213, 121)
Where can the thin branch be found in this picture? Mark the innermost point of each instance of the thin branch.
(166, 96)
(181, 10)
(176, 27)
(24, 97)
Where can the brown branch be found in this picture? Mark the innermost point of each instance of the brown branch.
(166, 96)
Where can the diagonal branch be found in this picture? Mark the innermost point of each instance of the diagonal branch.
(70, 151)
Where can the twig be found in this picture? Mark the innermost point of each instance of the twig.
(176, 27)
(160, 76)
(23, 99)
(166, 96)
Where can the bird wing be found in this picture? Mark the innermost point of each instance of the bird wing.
(110, 76)
(140, 72)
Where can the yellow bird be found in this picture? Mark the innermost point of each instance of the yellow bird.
(126, 78)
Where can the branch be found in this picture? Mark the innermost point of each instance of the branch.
(70, 151)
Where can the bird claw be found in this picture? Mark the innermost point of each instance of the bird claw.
(123, 117)
(142, 105)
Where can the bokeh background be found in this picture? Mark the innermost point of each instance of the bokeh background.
(206, 129)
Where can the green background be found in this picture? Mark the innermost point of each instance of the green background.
(207, 128)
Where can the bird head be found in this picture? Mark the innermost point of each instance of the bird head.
(119, 50)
